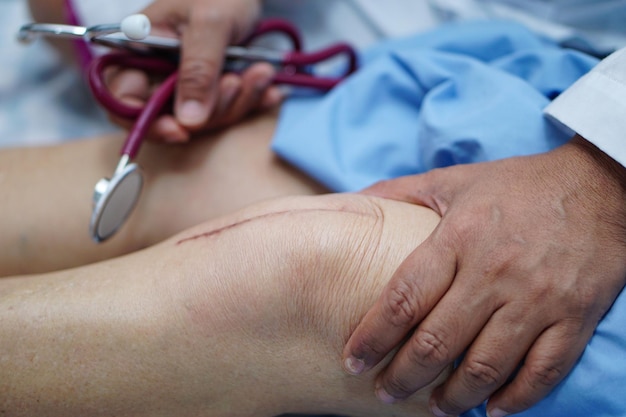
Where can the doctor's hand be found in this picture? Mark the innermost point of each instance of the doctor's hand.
(205, 97)
(528, 257)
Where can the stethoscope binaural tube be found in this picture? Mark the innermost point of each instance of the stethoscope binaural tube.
(134, 27)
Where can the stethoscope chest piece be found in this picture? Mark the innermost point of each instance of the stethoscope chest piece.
(114, 200)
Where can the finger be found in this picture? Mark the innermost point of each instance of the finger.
(273, 97)
(229, 89)
(133, 87)
(130, 86)
(204, 41)
(491, 360)
(552, 356)
(432, 189)
(414, 289)
(163, 130)
(167, 18)
(167, 129)
(254, 83)
(444, 334)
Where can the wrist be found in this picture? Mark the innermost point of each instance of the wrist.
(608, 166)
(599, 183)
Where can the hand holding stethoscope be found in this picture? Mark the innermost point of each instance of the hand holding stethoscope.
(115, 198)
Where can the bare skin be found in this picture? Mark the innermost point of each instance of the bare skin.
(47, 191)
(243, 316)
(537, 243)
(236, 168)
(548, 228)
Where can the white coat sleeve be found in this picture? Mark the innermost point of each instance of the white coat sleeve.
(595, 106)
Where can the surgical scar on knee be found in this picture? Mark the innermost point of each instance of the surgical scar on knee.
(217, 231)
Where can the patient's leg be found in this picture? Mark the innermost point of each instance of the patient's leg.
(46, 193)
(242, 316)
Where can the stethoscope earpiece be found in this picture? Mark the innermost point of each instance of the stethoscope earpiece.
(114, 200)
(136, 27)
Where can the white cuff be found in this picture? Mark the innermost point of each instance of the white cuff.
(595, 107)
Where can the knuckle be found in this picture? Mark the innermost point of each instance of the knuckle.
(543, 375)
(402, 306)
(461, 232)
(372, 346)
(399, 387)
(453, 404)
(524, 402)
(586, 302)
(481, 375)
(197, 75)
(427, 348)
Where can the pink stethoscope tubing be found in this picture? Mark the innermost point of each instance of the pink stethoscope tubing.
(115, 198)
(127, 181)
(292, 73)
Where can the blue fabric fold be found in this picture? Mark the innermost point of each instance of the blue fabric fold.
(461, 94)
(464, 93)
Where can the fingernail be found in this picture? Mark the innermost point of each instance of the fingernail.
(384, 396)
(192, 112)
(496, 412)
(353, 365)
(437, 411)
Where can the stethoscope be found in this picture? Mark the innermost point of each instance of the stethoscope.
(114, 199)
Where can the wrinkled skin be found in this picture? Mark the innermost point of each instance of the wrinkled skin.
(528, 257)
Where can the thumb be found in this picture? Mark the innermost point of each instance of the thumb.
(204, 31)
(423, 189)
(203, 43)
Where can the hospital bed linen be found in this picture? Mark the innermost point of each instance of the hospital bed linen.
(593, 25)
(464, 93)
